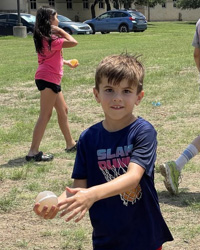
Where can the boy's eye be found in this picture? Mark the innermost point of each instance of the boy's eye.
(127, 91)
(108, 90)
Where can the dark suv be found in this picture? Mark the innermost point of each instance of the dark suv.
(118, 20)
(9, 20)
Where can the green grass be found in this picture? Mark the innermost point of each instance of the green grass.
(171, 78)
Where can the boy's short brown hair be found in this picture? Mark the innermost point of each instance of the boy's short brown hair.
(119, 67)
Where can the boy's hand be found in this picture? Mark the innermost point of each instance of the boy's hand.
(78, 204)
(45, 214)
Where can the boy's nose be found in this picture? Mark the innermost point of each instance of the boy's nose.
(117, 97)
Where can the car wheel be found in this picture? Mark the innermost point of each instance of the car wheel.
(92, 27)
(105, 32)
(68, 31)
(123, 28)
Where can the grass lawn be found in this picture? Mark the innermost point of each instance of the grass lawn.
(171, 79)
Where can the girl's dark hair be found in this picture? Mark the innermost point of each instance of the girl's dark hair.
(43, 27)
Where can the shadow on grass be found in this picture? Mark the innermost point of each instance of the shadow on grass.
(183, 199)
(189, 23)
(18, 162)
(154, 24)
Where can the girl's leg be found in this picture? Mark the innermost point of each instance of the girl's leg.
(47, 102)
(62, 111)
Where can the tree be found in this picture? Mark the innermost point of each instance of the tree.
(127, 4)
(108, 5)
(149, 3)
(188, 4)
(93, 7)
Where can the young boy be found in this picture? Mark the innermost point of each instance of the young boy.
(114, 167)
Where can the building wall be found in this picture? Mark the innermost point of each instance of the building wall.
(11, 5)
(170, 13)
(77, 13)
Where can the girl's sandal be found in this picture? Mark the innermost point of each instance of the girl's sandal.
(40, 157)
(71, 150)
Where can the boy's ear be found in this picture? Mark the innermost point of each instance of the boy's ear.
(96, 94)
(139, 97)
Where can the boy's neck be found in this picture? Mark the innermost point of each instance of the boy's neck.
(112, 126)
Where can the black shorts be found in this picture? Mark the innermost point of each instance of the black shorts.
(41, 85)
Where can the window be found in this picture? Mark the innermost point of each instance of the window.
(105, 15)
(33, 4)
(51, 3)
(119, 14)
(174, 3)
(69, 4)
(3, 18)
(85, 4)
(13, 18)
(164, 5)
(101, 4)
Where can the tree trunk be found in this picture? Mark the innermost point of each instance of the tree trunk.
(108, 5)
(93, 8)
(149, 18)
(116, 4)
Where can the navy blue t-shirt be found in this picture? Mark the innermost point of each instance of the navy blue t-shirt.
(132, 220)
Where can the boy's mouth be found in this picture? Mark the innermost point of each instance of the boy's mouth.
(116, 107)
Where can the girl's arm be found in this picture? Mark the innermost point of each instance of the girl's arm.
(83, 199)
(69, 40)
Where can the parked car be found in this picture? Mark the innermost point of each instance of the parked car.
(73, 27)
(118, 20)
(9, 20)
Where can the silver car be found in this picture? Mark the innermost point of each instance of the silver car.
(73, 27)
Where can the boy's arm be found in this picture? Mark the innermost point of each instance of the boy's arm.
(121, 184)
(83, 199)
(54, 210)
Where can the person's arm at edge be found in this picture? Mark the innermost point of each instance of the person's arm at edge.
(197, 57)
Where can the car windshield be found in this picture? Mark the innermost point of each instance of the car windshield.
(29, 18)
(63, 19)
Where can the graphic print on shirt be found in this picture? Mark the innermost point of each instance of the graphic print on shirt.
(115, 164)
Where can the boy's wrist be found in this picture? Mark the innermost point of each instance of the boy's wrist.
(93, 194)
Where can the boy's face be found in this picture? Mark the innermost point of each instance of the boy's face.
(117, 101)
